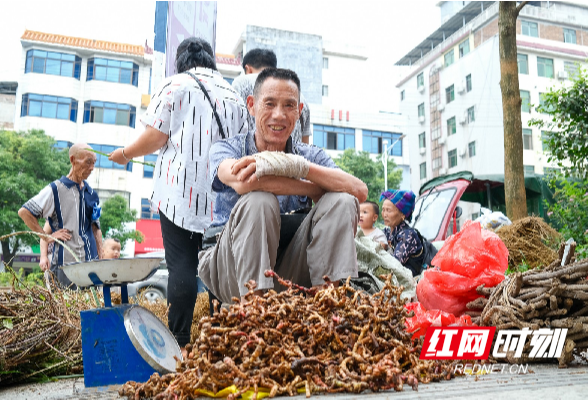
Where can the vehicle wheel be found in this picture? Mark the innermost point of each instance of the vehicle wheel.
(152, 294)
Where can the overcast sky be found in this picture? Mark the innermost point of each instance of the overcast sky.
(388, 29)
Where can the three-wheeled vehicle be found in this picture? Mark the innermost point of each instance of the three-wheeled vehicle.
(437, 211)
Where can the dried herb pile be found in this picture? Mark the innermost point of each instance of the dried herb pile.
(321, 341)
(530, 240)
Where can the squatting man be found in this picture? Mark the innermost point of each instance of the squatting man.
(262, 175)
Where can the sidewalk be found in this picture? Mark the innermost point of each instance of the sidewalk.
(546, 382)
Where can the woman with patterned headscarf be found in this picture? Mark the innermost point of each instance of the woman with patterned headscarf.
(406, 245)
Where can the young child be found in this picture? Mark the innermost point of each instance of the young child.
(111, 248)
(368, 215)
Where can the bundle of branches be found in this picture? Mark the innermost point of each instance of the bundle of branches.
(40, 333)
(555, 297)
(529, 241)
(317, 341)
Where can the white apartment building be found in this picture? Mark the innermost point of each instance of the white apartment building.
(85, 90)
(452, 99)
(341, 111)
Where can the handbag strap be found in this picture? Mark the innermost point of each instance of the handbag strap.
(218, 121)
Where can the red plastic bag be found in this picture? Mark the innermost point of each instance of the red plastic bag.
(467, 260)
(422, 319)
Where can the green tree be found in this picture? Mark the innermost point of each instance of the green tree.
(116, 213)
(567, 124)
(361, 165)
(28, 162)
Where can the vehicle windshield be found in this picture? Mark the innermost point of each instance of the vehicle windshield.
(430, 210)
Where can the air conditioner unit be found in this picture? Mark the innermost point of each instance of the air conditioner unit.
(462, 152)
(422, 119)
(463, 119)
(441, 107)
(442, 171)
(441, 140)
(421, 89)
(422, 150)
(461, 89)
(563, 75)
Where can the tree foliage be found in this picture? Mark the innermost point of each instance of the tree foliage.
(115, 214)
(569, 213)
(567, 140)
(28, 162)
(361, 165)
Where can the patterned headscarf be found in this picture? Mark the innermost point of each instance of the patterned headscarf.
(403, 200)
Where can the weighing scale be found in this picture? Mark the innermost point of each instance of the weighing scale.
(124, 342)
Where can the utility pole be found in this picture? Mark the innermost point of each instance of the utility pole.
(385, 158)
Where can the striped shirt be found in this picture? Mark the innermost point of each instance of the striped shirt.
(179, 109)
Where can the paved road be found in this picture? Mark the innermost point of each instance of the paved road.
(545, 382)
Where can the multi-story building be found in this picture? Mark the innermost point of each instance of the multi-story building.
(7, 104)
(341, 114)
(85, 90)
(452, 99)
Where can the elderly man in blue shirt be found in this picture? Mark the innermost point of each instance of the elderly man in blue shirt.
(262, 174)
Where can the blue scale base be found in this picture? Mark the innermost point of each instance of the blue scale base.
(109, 355)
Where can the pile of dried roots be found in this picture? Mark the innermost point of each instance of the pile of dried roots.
(318, 341)
(555, 297)
(530, 240)
(40, 333)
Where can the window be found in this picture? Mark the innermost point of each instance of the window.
(420, 80)
(47, 62)
(402, 95)
(333, 137)
(469, 83)
(529, 28)
(102, 69)
(525, 101)
(449, 58)
(523, 64)
(325, 63)
(148, 169)
(571, 67)
(449, 94)
(37, 105)
(423, 168)
(62, 144)
(146, 210)
(464, 48)
(325, 91)
(545, 67)
(109, 113)
(569, 36)
(472, 149)
(544, 109)
(527, 139)
(452, 157)
(471, 114)
(421, 110)
(422, 141)
(373, 142)
(529, 169)
(104, 162)
(545, 140)
(451, 127)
